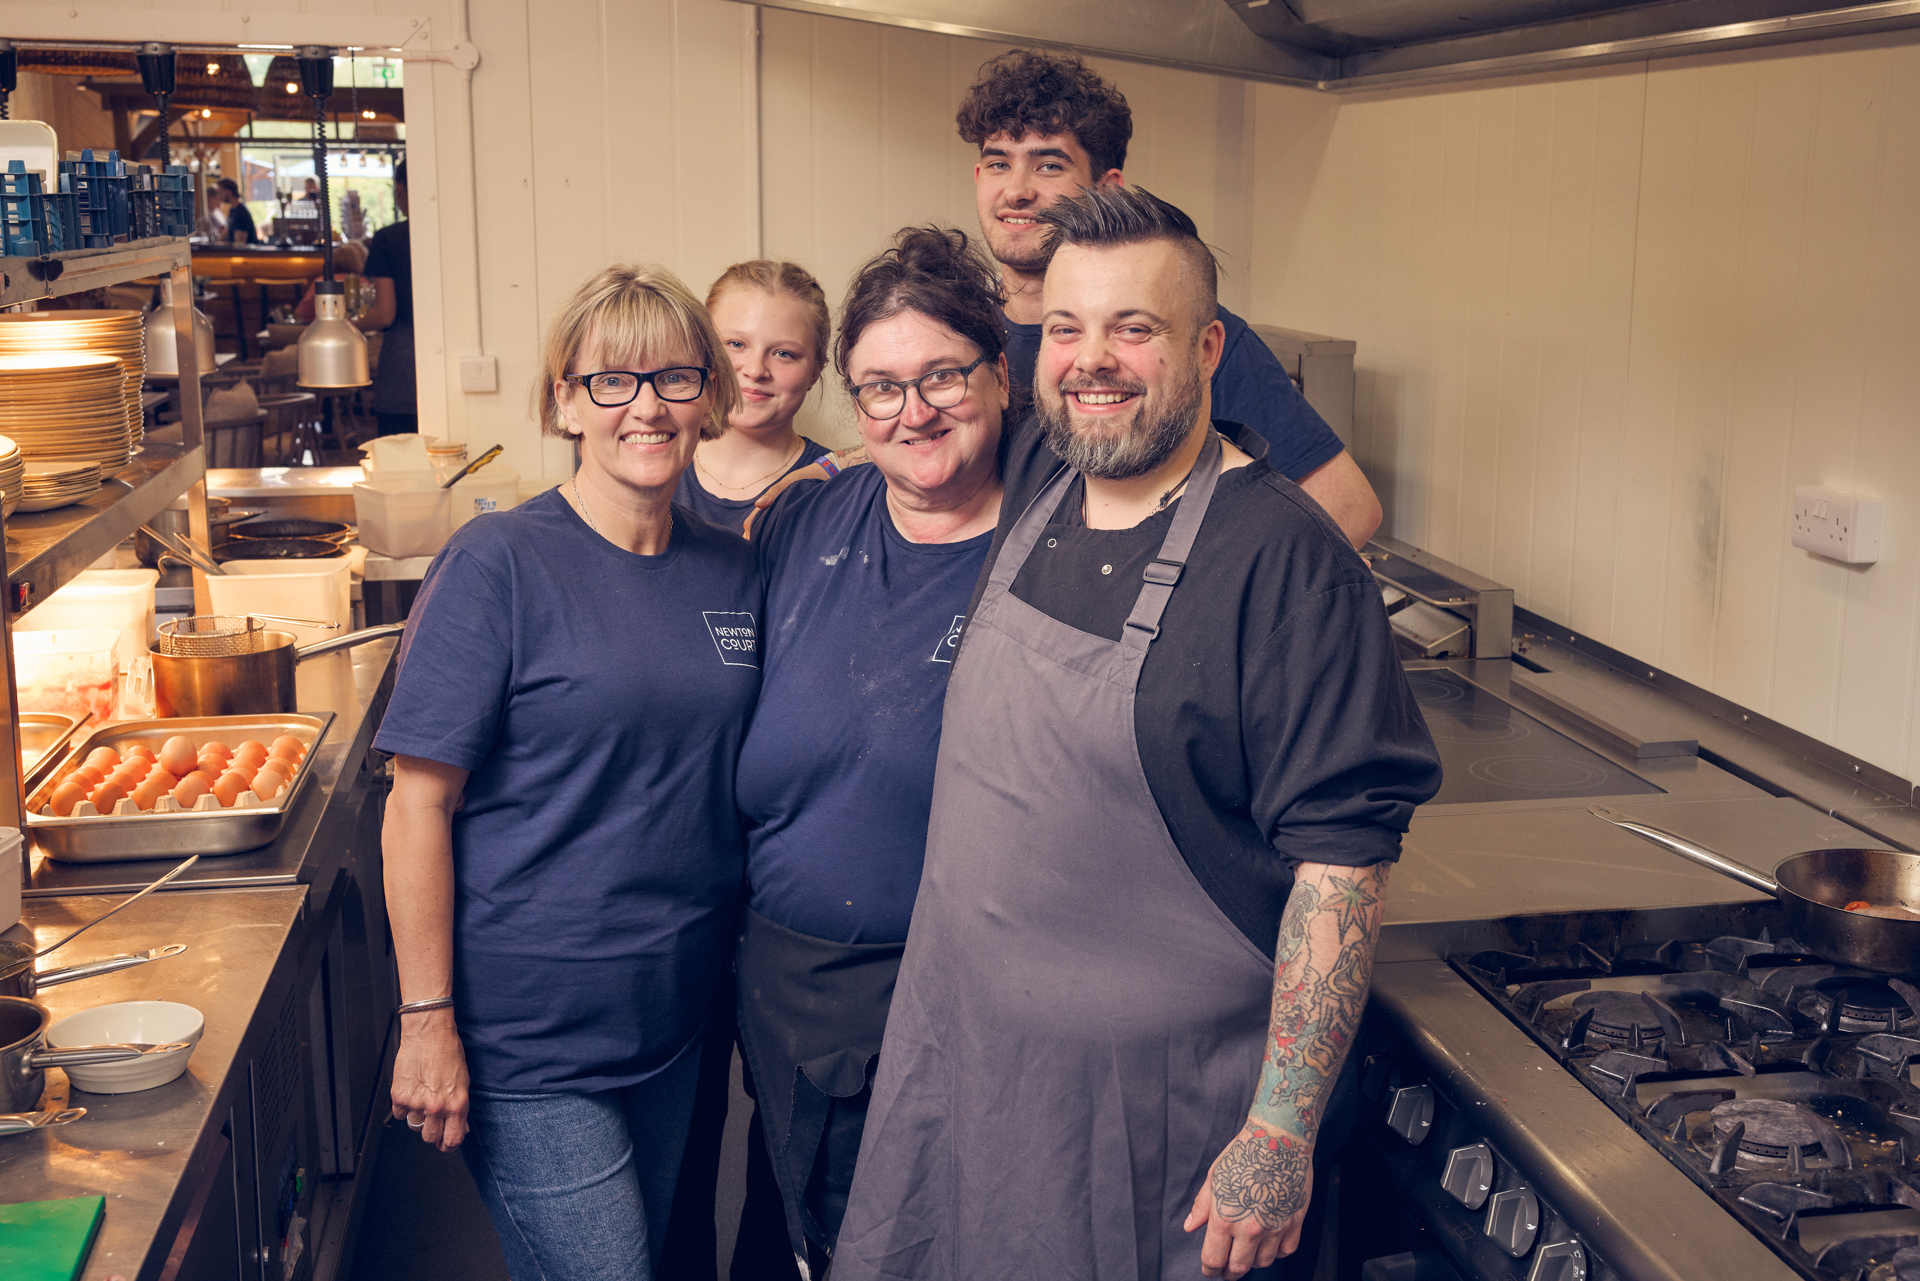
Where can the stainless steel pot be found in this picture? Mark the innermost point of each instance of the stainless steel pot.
(24, 1056)
(19, 978)
(244, 684)
(1814, 888)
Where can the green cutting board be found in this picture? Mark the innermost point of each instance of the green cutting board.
(48, 1240)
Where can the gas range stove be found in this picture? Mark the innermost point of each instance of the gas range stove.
(1783, 1085)
(1724, 1106)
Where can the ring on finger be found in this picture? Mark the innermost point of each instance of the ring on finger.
(414, 1125)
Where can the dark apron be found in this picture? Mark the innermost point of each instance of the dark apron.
(393, 382)
(1078, 1029)
(812, 1014)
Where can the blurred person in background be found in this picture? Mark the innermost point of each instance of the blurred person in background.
(390, 271)
(239, 219)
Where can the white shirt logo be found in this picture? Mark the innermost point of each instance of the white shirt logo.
(735, 636)
(944, 651)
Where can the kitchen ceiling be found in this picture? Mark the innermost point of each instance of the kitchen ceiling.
(1344, 45)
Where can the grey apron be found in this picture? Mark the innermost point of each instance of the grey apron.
(1077, 1029)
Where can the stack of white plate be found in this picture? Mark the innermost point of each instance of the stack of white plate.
(13, 467)
(120, 334)
(65, 408)
(50, 485)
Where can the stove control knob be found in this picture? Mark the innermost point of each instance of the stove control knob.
(1561, 1261)
(1469, 1175)
(1410, 1113)
(1513, 1217)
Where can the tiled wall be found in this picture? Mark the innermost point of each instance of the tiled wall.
(1606, 322)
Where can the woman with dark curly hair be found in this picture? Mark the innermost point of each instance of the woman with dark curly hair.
(867, 580)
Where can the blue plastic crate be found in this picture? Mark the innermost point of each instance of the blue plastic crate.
(17, 181)
(101, 182)
(59, 218)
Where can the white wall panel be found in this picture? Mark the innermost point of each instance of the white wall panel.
(1607, 322)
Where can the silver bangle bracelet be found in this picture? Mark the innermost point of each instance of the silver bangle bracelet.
(420, 1007)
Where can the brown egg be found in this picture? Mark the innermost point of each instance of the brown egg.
(105, 795)
(68, 795)
(92, 776)
(210, 765)
(164, 777)
(127, 775)
(290, 743)
(177, 754)
(146, 794)
(251, 756)
(135, 748)
(103, 758)
(190, 789)
(229, 786)
(217, 747)
(267, 784)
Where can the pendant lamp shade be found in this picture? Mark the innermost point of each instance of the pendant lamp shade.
(332, 352)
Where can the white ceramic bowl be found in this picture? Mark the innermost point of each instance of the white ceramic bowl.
(153, 1022)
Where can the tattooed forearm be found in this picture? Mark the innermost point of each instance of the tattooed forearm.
(1322, 965)
(1261, 1175)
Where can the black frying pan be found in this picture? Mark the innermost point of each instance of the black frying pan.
(275, 549)
(1814, 889)
(329, 530)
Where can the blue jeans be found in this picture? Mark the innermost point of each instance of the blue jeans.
(580, 1185)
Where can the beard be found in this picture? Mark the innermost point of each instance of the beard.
(1158, 428)
(1001, 244)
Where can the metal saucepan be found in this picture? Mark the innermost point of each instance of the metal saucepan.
(172, 522)
(24, 1056)
(244, 684)
(1814, 889)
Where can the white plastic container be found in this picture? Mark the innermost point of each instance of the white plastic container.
(9, 877)
(72, 672)
(402, 517)
(118, 598)
(494, 488)
(318, 589)
(407, 452)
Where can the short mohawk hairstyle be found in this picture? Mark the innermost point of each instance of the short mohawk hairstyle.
(1101, 217)
(1039, 91)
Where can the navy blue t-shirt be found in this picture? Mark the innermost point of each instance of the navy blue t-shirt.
(1250, 386)
(731, 513)
(599, 699)
(836, 777)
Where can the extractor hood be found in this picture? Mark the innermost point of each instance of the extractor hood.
(1369, 44)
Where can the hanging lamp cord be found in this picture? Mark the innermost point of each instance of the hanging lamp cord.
(326, 202)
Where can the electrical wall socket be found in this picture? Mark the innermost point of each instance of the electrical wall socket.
(1836, 524)
(479, 374)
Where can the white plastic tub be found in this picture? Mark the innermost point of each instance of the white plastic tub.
(71, 672)
(494, 488)
(401, 518)
(118, 598)
(318, 589)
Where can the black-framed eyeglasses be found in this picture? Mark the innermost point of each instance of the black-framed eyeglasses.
(940, 389)
(612, 388)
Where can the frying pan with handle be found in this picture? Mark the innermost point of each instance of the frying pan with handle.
(1814, 888)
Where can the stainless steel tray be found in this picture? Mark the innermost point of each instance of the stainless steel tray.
(47, 733)
(109, 838)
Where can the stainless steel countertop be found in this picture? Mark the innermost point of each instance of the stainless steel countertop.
(351, 684)
(138, 1149)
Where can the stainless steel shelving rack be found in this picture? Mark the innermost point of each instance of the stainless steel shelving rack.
(44, 550)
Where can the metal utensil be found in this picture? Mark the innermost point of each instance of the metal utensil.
(184, 549)
(1814, 888)
(474, 466)
(21, 1122)
(220, 635)
(19, 978)
(119, 907)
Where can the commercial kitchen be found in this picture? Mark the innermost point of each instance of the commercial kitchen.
(1613, 304)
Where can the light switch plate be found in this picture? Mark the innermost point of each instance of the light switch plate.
(1836, 524)
(479, 374)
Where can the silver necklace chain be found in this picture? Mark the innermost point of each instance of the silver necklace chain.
(581, 502)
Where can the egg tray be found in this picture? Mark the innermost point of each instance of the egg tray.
(172, 832)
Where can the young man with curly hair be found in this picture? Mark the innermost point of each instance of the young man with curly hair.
(1048, 126)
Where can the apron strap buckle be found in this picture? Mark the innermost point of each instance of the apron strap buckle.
(1163, 573)
(1149, 631)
